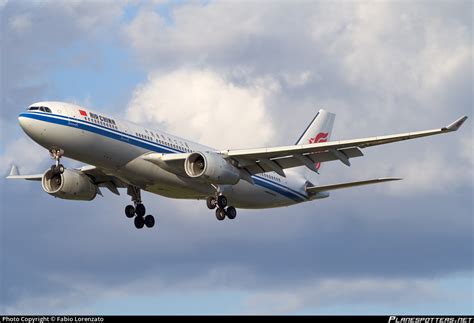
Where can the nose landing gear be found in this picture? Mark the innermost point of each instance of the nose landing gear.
(56, 154)
(138, 210)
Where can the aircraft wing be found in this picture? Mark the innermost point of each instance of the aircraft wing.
(99, 177)
(276, 159)
(262, 160)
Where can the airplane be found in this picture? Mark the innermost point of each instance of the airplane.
(121, 154)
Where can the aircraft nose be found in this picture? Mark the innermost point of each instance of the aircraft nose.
(27, 125)
(23, 123)
(34, 128)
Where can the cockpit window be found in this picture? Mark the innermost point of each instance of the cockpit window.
(44, 109)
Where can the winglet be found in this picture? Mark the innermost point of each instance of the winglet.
(456, 124)
(14, 171)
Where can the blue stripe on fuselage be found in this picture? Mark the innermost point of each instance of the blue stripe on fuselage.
(270, 185)
(143, 143)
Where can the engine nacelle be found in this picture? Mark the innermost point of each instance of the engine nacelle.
(70, 185)
(211, 168)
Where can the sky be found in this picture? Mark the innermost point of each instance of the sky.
(242, 74)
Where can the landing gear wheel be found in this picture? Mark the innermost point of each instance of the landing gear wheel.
(149, 221)
(220, 214)
(221, 201)
(231, 212)
(140, 210)
(211, 202)
(129, 211)
(139, 222)
(60, 169)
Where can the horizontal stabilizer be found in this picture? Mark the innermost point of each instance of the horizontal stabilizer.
(325, 188)
(14, 174)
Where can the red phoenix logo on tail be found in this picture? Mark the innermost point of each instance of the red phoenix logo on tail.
(320, 137)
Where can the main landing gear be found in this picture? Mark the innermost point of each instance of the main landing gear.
(138, 210)
(56, 154)
(220, 204)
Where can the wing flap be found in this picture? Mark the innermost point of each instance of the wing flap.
(325, 188)
(307, 159)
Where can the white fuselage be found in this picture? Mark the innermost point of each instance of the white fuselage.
(115, 146)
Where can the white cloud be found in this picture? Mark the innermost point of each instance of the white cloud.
(20, 23)
(466, 150)
(197, 30)
(429, 169)
(433, 172)
(297, 79)
(25, 154)
(203, 106)
(3, 3)
(320, 294)
(145, 21)
(382, 59)
(403, 50)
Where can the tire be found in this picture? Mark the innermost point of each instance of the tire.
(140, 210)
(211, 203)
(61, 169)
(149, 221)
(231, 212)
(129, 211)
(139, 222)
(220, 214)
(221, 201)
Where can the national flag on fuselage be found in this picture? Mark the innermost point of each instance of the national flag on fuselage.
(83, 113)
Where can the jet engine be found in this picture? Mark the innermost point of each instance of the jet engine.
(70, 185)
(212, 168)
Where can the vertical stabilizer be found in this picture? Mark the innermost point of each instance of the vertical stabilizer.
(319, 130)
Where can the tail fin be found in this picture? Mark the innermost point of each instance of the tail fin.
(319, 130)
